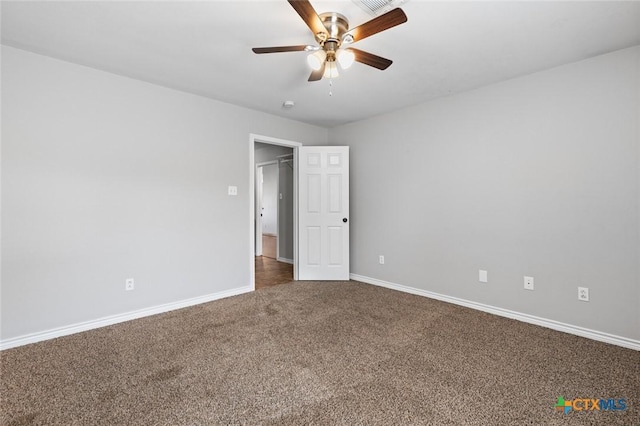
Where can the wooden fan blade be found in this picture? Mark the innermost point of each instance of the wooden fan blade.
(279, 49)
(371, 59)
(376, 25)
(308, 15)
(317, 75)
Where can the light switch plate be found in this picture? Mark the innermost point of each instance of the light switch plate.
(483, 276)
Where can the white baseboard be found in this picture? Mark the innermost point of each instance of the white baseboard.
(115, 319)
(283, 260)
(531, 319)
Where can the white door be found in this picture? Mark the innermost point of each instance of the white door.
(323, 218)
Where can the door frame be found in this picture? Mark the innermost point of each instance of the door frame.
(253, 138)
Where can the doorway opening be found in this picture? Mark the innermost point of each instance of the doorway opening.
(274, 217)
(268, 207)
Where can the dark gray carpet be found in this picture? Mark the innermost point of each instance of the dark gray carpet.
(317, 353)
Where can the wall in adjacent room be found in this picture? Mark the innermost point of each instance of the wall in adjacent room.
(106, 178)
(285, 211)
(535, 176)
(265, 152)
(270, 199)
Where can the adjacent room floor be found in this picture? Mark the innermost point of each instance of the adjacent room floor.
(270, 272)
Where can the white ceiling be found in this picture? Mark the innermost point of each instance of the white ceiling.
(204, 47)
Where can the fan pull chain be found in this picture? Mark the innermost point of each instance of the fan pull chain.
(330, 87)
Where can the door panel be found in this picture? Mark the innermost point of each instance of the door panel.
(314, 193)
(323, 223)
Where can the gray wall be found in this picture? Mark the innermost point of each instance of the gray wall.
(534, 176)
(106, 178)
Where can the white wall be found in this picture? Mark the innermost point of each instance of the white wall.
(534, 176)
(105, 178)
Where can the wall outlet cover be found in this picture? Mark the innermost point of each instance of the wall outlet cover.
(528, 283)
(583, 294)
(483, 276)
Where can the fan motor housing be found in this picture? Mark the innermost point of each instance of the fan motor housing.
(336, 24)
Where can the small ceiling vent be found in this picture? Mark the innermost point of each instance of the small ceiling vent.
(378, 7)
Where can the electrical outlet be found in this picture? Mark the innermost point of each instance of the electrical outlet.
(128, 284)
(583, 294)
(482, 276)
(381, 260)
(233, 190)
(528, 283)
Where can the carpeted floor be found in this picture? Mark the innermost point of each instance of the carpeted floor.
(317, 353)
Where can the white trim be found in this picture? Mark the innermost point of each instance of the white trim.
(531, 319)
(283, 260)
(116, 319)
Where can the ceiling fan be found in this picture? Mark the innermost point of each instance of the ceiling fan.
(332, 33)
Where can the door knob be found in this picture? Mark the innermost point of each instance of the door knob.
(344, 220)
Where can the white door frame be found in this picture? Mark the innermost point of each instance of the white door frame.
(253, 138)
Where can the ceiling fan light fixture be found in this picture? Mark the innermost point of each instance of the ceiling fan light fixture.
(345, 57)
(331, 30)
(316, 59)
(331, 70)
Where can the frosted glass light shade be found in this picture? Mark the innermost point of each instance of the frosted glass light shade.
(331, 70)
(316, 59)
(345, 58)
